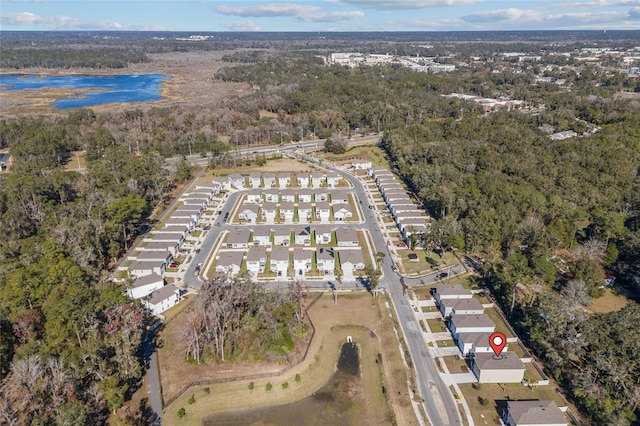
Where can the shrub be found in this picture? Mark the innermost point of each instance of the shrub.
(298, 378)
(251, 385)
(192, 399)
(207, 390)
(181, 413)
(483, 401)
(285, 385)
(269, 386)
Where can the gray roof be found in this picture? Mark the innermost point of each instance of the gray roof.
(535, 413)
(147, 279)
(286, 206)
(337, 207)
(352, 256)
(228, 258)
(153, 255)
(304, 205)
(269, 206)
(159, 245)
(479, 339)
(256, 253)
(280, 253)
(322, 205)
(238, 236)
(322, 229)
(301, 254)
(506, 361)
(452, 289)
(250, 207)
(481, 320)
(347, 234)
(162, 293)
(282, 232)
(324, 254)
(462, 304)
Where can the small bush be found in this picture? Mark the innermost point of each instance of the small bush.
(285, 385)
(476, 386)
(483, 401)
(251, 385)
(298, 378)
(207, 390)
(181, 413)
(268, 387)
(192, 399)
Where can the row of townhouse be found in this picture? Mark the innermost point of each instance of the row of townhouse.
(287, 211)
(279, 260)
(471, 328)
(408, 217)
(283, 236)
(283, 180)
(292, 195)
(155, 254)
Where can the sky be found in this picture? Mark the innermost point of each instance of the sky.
(319, 15)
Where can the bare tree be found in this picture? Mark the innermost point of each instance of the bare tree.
(577, 292)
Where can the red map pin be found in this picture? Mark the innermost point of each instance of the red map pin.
(497, 341)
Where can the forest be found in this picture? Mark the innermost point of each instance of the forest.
(547, 219)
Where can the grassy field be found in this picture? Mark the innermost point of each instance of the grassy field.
(358, 315)
(609, 302)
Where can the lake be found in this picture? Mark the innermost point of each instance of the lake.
(101, 89)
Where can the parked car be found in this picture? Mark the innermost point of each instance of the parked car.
(207, 228)
(174, 265)
(401, 245)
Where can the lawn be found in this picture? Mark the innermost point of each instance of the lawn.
(358, 315)
(609, 302)
(436, 325)
(455, 364)
(497, 395)
(500, 326)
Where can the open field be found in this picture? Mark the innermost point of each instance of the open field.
(357, 315)
(609, 302)
(279, 165)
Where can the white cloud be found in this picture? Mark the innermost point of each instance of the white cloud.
(241, 26)
(406, 4)
(301, 12)
(54, 23)
(517, 18)
(334, 16)
(520, 15)
(599, 3)
(269, 9)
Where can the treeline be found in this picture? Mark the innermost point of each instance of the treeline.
(70, 341)
(66, 58)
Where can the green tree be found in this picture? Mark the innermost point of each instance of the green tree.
(127, 212)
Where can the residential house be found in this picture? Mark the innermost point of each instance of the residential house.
(186, 222)
(282, 236)
(301, 261)
(269, 212)
(287, 210)
(321, 195)
(172, 240)
(162, 299)
(183, 231)
(255, 179)
(254, 196)
(190, 212)
(474, 342)
(373, 171)
(395, 197)
(154, 256)
(198, 199)
(339, 197)
(401, 217)
(237, 180)
(470, 324)
(323, 212)
(533, 413)
(342, 212)
(269, 179)
(347, 237)
(261, 237)
(409, 227)
(279, 261)
(323, 234)
(451, 291)
(302, 179)
(317, 178)
(401, 207)
(303, 236)
(284, 179)
(325, 261)
(305, 195)
(145, 285)
(506, 368)
(238, 238)
(141, 268)
(249, 212)
(256, 260)
(333, 179)
(304, 212)
(220, 185)
(288, 195)
(229, 262)
(361, 165)
(162, 246)
(461, 307)
(351, 261)
(271, 196)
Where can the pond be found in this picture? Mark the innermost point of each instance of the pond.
(99, 89)
(336, 403)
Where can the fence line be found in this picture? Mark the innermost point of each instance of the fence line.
(283, 370)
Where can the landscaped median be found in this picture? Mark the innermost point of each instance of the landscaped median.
(357, 315)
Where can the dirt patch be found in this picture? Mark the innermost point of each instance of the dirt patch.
(280, 165)
(609, 302)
